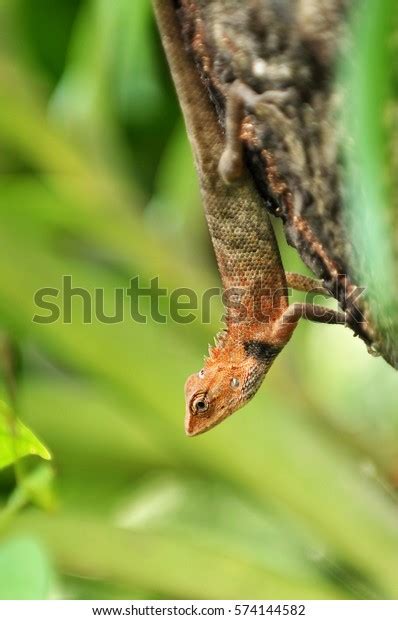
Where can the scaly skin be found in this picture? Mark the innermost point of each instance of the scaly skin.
(259, 319)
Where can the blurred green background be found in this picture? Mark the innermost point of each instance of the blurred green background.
(293, 497)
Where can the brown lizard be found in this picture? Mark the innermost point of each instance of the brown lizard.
(259, 319)
(271, 67)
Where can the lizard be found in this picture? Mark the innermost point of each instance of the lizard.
(259, 319)
(273, 69)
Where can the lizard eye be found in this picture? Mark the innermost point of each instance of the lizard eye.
(201, 373)
(200, 404)
(235, 383)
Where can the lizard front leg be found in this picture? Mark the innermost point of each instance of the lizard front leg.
(306, 284)
(313, 312)
(284, 327)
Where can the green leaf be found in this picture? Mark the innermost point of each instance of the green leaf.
(368, 78)
(35, 487)
(25, 571)
(16, 440)
(215, 571)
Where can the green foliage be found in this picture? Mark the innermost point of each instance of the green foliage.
(292, 497)
(16, 440)
(369, 79)
(25, 571)
(34, 487)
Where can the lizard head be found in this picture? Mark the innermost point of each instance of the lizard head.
(230, 378)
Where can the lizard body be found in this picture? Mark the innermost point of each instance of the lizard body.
(259, 319)
(272, 68)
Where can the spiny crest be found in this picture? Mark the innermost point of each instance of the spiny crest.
(219, 343)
